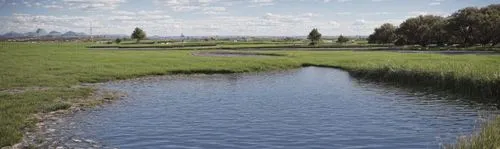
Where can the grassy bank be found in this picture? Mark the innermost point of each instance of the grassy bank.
(236, 46)
(38, 77)
(487, 137)
(166, 46)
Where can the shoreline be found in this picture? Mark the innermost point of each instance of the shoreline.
(42, 135)
(46, 86)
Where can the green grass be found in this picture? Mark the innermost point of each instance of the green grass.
(448, 48)
(487, 138)
(467, 74)
(175, 45)
(55, 68)
(16, 109)
(237, 46)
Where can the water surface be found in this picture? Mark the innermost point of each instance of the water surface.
(305, 108)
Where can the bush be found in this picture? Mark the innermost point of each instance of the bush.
(118, 40)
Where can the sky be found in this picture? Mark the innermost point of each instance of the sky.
(219, 17)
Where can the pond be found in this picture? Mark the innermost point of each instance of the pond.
(305, 108)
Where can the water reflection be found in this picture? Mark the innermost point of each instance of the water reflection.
(304, 108)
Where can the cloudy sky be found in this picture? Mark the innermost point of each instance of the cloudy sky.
(218, 17)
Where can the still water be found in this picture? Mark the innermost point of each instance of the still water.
(304, 108)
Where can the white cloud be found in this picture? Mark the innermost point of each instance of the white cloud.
(53, 6)
(434, 3)
(91, 5)
(201, 17)
(417, 13)
(375, 13)
(343, 13)
(257, 3)
(214, 10)
(85, 5)
(364, 27)
(26, 22)
(205, 6)
(309, 14)
(159, 23)
(334, 24)
(277, 19)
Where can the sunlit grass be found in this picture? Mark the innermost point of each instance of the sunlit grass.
(487, 138)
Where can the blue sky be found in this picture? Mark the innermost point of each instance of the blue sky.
(219, 17)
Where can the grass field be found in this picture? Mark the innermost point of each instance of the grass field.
(41, 77)
(229, 46)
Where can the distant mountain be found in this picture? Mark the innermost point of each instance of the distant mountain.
(30, 34)
(70, 33)
(73, 34)
(41, 32)
(12, 35)
(55, 33)
(111, 36)
(155, 37)
(81, 34)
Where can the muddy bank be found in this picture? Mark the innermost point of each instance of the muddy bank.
(49, 127)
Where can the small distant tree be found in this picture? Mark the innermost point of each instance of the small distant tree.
(118, 40)
(342, 39)
(182, 37)
(314, 36)
(138, 34)
(40, 32)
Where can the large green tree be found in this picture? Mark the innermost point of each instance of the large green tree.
(488, 31)
(314, 36)
(138, 34)
(467, 26)
(383, 34)
(464, 26)
(421, 30)
(438, 33)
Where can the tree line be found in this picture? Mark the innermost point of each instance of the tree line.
(315, 37)
(466, 27)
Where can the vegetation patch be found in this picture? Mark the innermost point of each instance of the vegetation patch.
(176, 45)
(466, 27)
(235, 53)
(17, 108)
(487, 137)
